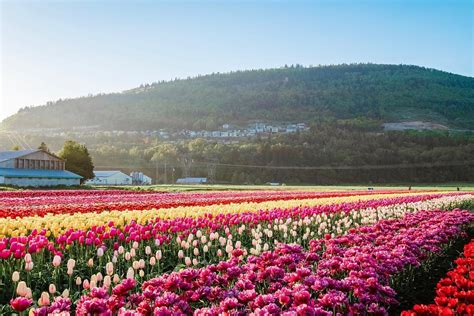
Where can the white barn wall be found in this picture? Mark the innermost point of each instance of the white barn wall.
(146, 180)
(8, 164)
(118, 178)
(34, 182)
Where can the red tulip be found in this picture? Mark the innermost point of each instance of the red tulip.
(20, 304)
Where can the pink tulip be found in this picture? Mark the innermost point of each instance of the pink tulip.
(56, 261)
(44, 299)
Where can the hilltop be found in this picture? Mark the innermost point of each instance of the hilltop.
(384, 93)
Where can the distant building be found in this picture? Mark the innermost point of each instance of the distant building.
(34, 168)
(260, 127)
(191, 180)
(139, 178)
(291, 128)
(112, 177)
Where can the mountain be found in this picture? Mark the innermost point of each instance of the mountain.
(385, 93)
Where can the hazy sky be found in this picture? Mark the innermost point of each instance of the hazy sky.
(60, 49)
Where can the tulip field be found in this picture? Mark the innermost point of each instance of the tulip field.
(117, 252)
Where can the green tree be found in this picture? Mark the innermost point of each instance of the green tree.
(77, 159)
(165, 153)
(16, 148)
(43, 146)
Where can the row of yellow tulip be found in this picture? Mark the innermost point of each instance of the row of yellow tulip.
(58, 224)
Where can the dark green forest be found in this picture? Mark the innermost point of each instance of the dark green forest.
(291, 93)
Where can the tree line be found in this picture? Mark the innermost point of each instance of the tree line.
(338, 152)
(327, 154)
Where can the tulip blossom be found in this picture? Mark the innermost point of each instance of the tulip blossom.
(56, 261)
(21, 288)
(20, 304)
(15, 276)
(44, 300)
(52, 288)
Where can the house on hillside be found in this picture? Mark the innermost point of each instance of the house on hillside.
(292, 128)
(112, 177)
(35, 168)
(260, 127)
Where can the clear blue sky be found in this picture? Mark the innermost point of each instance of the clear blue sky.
(60, 49)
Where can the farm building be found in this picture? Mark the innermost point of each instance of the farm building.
(191, 180)
(140, 178)
(112, 177)
(34, 168)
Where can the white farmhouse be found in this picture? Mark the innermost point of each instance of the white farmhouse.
(112, 177)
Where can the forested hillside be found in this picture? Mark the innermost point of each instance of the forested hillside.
(378, 92)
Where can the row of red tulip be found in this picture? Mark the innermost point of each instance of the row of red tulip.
(455, 292)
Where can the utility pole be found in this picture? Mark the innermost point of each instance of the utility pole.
(156, 172)
(187, 162)
(166, 173)
(211, 171)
